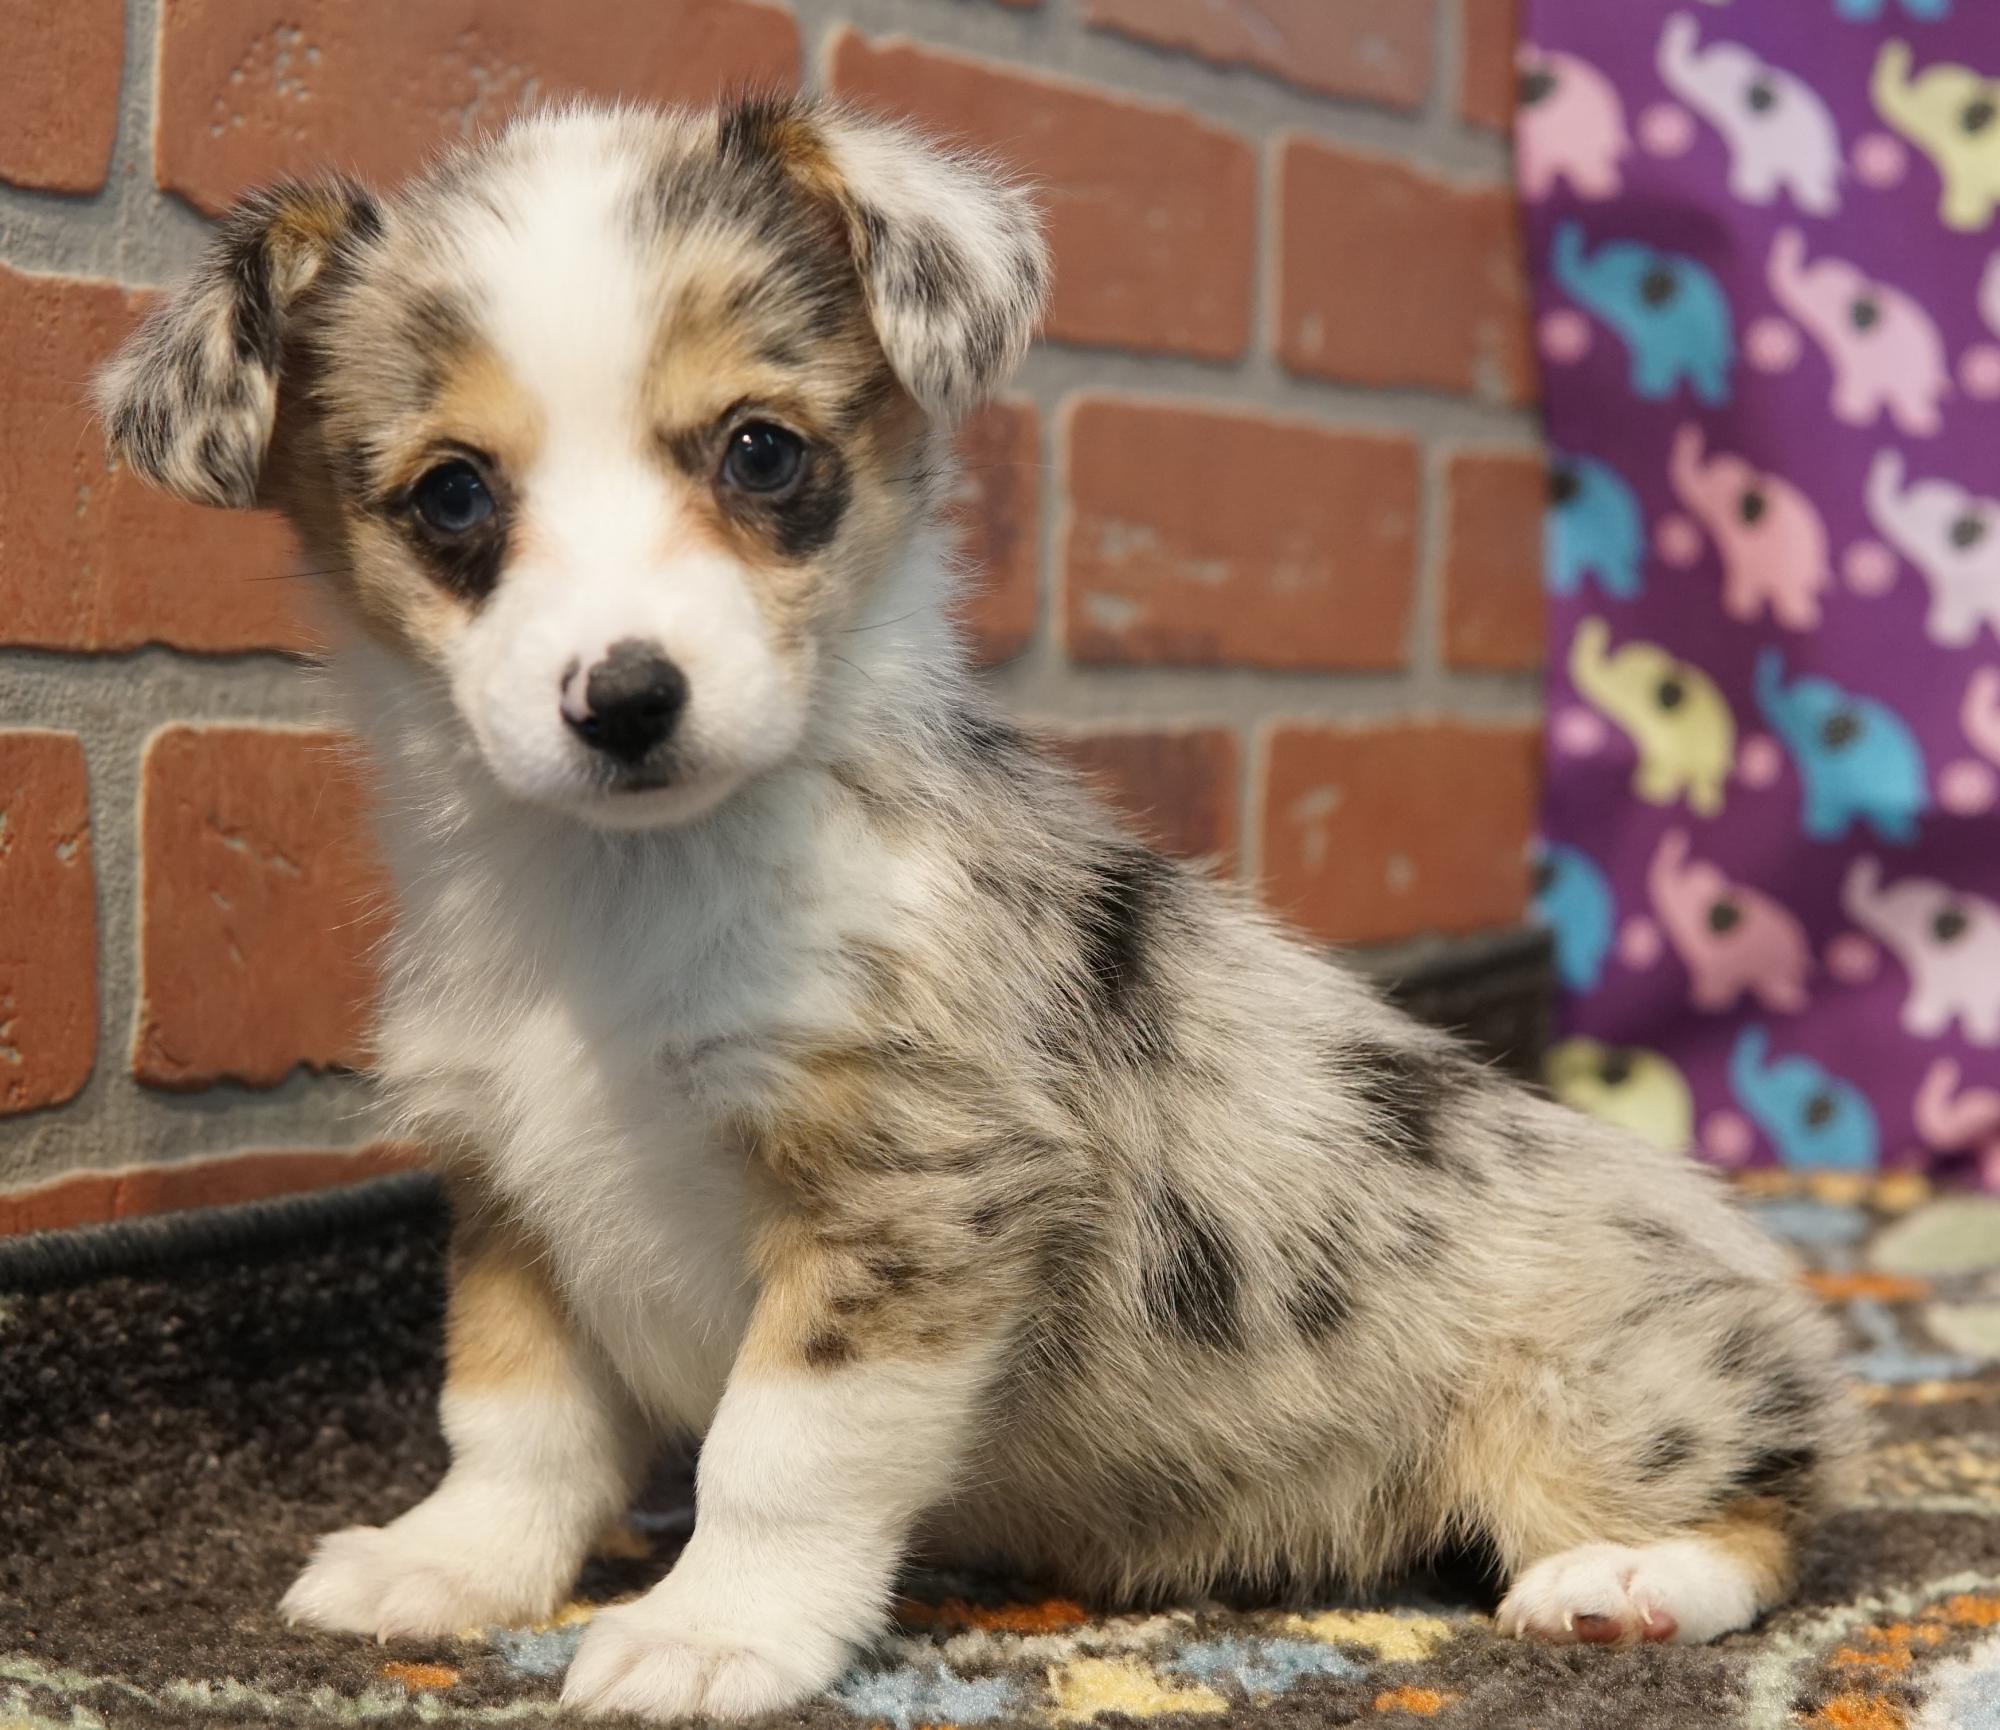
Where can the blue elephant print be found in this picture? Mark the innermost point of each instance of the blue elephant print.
(1861, 11)
(1670, 311)
(1815, 1120)
(1857, 758)
(1594, 529)
(1573, 899)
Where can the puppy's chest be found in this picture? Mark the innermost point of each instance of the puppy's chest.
(594, 1092)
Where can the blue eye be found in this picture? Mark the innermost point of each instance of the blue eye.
(763, 458)
(452, 498)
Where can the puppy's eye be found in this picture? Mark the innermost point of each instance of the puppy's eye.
(452, 498)
(762, 458)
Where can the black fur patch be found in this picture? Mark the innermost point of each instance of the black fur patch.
(1776, 1471)
(1123, 896)
(1739, 1350)
(231, 464)
(1067, 1256)
(806, 520)
(1193, 1288)
(986, 739)
(1321, 1305)
(1656, 1238)
(1786, 1396)
(828, 1348)
(1408, 1093)
(256, 329)
(1667, 1452)
(1419, 1245)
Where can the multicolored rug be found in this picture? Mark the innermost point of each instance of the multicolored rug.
(173, 1436)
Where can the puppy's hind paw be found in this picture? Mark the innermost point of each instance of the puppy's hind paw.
(1681, 1589)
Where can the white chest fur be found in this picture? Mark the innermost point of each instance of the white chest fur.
(583, 1013)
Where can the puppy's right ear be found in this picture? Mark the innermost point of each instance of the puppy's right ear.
(191, 399)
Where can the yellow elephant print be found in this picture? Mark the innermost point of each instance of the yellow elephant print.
(1638, 1091)
(1952, 114)
(1677, 719)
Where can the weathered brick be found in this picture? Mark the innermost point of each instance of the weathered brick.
(247, 92)
(1486, 63)
(48, 922)
(1390, 276)
(1207, 539)
(59, 66)
(1151, 211)
(1375, 832)
(1377, 50)
(95, 1197)
(999, 502)
(259, 907)
(1493, 614)
(1178, 787)
(91, 557)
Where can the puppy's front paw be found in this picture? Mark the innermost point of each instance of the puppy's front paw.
(389, 1582)
(645, 1659)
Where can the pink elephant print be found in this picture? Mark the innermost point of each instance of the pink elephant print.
(1948, 942)
(1951, 536)
(1569, 124)
(1885, 350)
(1980, 712)
(1780, 135)
(1770, 538)
(1731, 938)
(1955, 1121)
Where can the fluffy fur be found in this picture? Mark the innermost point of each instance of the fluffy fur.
(840, 1084)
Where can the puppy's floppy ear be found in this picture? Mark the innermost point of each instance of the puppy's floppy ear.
(950, 251)
(191, 399)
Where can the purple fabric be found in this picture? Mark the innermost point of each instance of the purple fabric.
(1767, 278)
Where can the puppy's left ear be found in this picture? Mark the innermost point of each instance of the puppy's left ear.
(951, 257)
(191, 400)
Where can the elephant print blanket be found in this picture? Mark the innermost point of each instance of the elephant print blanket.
(1766, 250)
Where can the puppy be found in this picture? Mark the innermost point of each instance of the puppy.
(823, 1073)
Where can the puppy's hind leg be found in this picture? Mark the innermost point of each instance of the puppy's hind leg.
(546, 1452)
(1656, 1490)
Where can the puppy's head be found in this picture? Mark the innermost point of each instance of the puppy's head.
(610, 422)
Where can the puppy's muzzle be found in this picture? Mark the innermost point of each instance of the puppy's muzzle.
(628, 704)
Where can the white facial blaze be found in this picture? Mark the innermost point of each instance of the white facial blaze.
(602, 550)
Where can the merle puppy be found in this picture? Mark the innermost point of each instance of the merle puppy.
(823, 1072)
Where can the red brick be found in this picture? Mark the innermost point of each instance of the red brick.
(1392, 277)
(48, 922)
(59, 66)
(96, 1197)
(1386, 831)
(1151, 211)
(259, 907)
(999, 500)
(1493, 613)
(1377, 50)
(1205, 539)
(1486, 63)
(91, 557)
(1178, 788)
(247, 92)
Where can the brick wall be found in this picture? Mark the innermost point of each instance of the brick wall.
(1259, 521)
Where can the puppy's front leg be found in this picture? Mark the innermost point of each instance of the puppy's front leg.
(846, 1415)
(546, 1452)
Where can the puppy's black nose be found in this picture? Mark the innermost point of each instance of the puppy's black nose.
(631, 701)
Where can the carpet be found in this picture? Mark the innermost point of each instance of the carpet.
(185, 1404)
